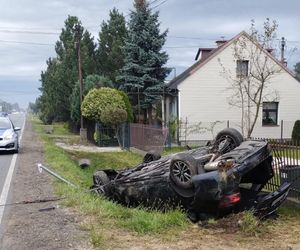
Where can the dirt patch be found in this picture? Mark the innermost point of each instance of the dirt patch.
(199, 237)
(88, 148)
(227, 225)
(27, 227)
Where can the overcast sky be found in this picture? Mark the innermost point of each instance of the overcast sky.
(191, 23)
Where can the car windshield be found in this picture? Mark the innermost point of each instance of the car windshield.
(5, 124)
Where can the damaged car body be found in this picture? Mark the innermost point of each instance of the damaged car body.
(227, 176)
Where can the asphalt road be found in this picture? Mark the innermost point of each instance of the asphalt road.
(24, 226)
(6, 158)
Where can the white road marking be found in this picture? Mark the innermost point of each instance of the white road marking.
(6, 186)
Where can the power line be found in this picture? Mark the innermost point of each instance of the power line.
(29, 32)
(159, 4)
(152, 2)
(181, 47)
(193, 38)
(29, 28)
(27, 43)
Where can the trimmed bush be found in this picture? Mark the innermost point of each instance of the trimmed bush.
(128, 106)
(102, 100)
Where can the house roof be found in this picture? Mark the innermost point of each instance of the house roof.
(200, 50)
(214, 52)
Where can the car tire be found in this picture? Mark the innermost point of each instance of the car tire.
(17, 150)
(151, 156)
(182, 168)
(100, 178)
(228, 139)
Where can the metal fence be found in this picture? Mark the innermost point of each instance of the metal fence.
(286, 165)
(193, 132)
(147, 137)
(140, 136)
(105, 136)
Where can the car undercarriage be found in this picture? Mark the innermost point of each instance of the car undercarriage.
(227, 176)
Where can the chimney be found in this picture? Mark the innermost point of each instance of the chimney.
(221, 41)
(203, 53)
(283, 60)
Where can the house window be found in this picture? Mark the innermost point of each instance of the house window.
(242, 68)
(270, 113)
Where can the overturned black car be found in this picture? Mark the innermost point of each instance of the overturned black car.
(227, 176)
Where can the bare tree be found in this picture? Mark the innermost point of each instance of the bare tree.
(250, 85)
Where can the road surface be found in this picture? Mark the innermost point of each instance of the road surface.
(7, 164)
(24, 226)
(6, 157)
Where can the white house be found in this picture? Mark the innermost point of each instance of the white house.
(207, 102)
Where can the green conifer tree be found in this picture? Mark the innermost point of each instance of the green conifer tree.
(111, 41)
(143, 74)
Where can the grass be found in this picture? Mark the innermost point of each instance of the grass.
(249, 224)
(173, 150)
(103, 218)
(289, 153)
(103, 213)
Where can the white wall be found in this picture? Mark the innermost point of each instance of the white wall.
(204, 98)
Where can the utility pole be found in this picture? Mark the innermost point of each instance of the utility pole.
(78, 34)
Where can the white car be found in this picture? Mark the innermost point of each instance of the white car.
(9, 139)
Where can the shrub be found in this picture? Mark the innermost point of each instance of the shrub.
(100, 100)
(105, 105)
(128, 106)
(296, 131)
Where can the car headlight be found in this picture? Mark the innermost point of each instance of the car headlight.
(9, 137)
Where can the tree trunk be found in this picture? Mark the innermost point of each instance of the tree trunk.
(258, 104)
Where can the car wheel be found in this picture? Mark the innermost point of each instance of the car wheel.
(182, 168)
(15, 151)
(100, 178)
(151, 156)
(228, 139)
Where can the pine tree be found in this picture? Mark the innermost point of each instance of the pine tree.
(48, 99)
(143, 74)
(111, 41)
(61, 74)
(88, 54)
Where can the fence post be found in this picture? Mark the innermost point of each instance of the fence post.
(281, 130)
(129, 135)
(185, 134)
(123, 135)
(169, 136)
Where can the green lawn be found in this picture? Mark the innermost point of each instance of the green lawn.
(104, 212)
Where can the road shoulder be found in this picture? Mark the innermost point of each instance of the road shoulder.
(27, 227)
